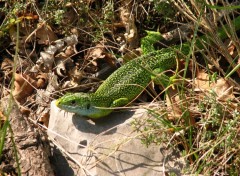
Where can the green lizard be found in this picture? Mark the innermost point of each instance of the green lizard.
(126, 83)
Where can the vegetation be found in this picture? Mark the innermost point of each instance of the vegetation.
(50, 47)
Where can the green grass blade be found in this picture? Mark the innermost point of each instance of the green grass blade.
(3, 136)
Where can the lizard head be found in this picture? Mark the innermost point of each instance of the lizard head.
(147, 42)
(82, 104)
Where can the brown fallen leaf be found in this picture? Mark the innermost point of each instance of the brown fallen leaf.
(6, 64)
(128, 19)
(202, 81)
(96, 53)
(43, 115)
(42, 80)
(45, 34)
(23, 87)
(6, 68)
(172, 101)
(76, 76)
(231, 49)
(221, 87)
(223, 90)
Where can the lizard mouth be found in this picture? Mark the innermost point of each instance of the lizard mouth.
(62, 106)
(57, 103)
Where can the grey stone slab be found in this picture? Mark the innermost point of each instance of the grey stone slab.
(108, 146)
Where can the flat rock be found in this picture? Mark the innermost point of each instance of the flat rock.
(107, 146)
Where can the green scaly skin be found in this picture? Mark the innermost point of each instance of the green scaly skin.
(120, 88)
(127, 83)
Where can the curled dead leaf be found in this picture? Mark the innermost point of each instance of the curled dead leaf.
(127, 18)
(71, 40)
(45, 34)
(43, 115)
(61, 69)
(76, 76)
(99, 52)
(7, 64)
(69, 51)
(6, 69)
(62, 65)
(45, 61)
(42, 80)
(59, 50)
(24, 86)
(96, 53)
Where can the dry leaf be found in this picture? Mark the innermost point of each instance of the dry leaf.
(76, 75)
(62, 65)
(55, 53)
(23, 87)
(172, 101)
(221, 87)
(99, 53)
(202, 81)
(223, 90)
(7, 64)
(96, 53)
(128, 19)
(45, 34)
(231, 49)
(69, 51)
(6, 68)
(43, 115)
(42, 80)
(45, 61)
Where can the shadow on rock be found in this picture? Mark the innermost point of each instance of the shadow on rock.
(60, 164)
(106, 124)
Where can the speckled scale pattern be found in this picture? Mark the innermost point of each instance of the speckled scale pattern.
(126, 83)
(131, 79)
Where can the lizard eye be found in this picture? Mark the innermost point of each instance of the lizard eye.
(73, 102)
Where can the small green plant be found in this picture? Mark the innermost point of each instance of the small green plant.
(108, 10)
(163, 7)
(58, 16)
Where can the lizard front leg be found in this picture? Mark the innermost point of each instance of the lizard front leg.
(119, 102)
